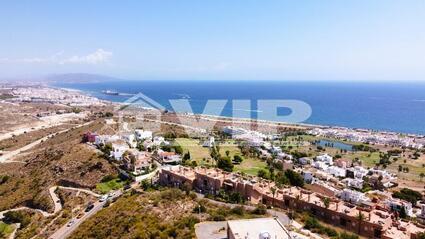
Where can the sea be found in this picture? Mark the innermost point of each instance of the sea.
(384, 106)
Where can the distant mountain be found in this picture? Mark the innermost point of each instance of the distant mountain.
(79, 78)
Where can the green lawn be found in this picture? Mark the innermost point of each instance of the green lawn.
(5, 229)
(114, 184)
(368, 159)
(197, 152)
(231, 147)
(251, 166)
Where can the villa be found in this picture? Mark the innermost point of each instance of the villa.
(167, 157)
(143, 135)
(119, 147)
(138, 162)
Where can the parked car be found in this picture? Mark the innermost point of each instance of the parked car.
(108, 202)
(70, 223)
(103, 198)
(89, 207)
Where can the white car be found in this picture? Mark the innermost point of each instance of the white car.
(70, 223)
(103, 198)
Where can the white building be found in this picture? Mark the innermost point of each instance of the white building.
(422, 215)
(130, 139)
(158, 140)
(282, 156)
(104, 139)
(308, 177)
(233, 131)
(275, 150)
(336, 171)
(383, 173)
(118, 149)
(353, 183)
(255, 142)
(397, 205)
(142, 134)
(210, 142)
(262, 228)
(359, 172)
(325, 158)
(320, 165)
(353, 196)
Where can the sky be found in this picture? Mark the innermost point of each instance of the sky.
(220, 39)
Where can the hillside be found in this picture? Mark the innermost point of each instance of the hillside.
(60, 160)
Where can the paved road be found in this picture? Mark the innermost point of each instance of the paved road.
(66, 230)
(81, 190)
(55, 199)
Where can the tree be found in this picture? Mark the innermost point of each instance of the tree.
(273, 190)
(178, 149)
(109, 114)
(403, 213)
(262, 174)
(408, 195)
(215, 153)
(421, 235)
(225, 164)
(22, 217)
(237, 158)
(186, 187)
(360, 218)
(236, 197)
(326, 202)
(260, 209)
(295, 179)
(186, 156)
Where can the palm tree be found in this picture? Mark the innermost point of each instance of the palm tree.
(273, 190)
(326, 202)
(360, 217)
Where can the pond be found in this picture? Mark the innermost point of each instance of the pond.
(334, 144)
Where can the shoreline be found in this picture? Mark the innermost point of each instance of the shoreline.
(277, 123)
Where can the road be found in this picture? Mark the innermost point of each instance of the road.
(55, 199)
(10, 155)
(65, 231)
(42, 123)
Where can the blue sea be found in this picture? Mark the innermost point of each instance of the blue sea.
(398, 107)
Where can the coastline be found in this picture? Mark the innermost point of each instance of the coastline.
(253, 120)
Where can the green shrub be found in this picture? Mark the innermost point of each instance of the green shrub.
(261, 209)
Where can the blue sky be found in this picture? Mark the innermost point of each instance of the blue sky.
(220, 39)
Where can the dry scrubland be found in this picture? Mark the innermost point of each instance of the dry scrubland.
(60, 160)
(16, 115)
(168, 213)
